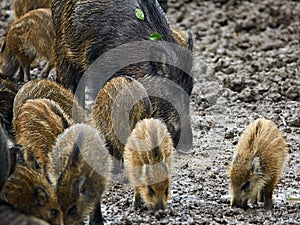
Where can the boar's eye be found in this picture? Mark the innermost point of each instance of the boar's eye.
(151, 191)
(54, 213)
(167, 191)
(72, 211)
(246, 186)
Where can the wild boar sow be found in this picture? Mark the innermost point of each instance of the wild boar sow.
(86, 29)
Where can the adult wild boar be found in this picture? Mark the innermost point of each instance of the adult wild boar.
(87, 29)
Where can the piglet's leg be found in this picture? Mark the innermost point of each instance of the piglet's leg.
(47, 69)
(20, 75)
(137, 200)
(261, 196)
(27, 76)
(25, 62)
(97, 218)
(268, 197)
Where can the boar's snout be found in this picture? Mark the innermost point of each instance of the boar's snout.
(239, 203)
(159, 205)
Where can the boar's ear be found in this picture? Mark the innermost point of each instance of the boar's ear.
(40, 195)
(81, 186)
(2, 44)
(255, 166)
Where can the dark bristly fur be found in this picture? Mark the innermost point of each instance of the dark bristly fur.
(21, 7)
(32, 193)
(259, 159)
(119, 105)
(28, 38)
(37, 125)
(52, 91)
(86, 29)
(148, 160)
(10, 215)
(79, 168)
(163, 4)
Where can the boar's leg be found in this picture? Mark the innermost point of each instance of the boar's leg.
(261, 197)
(20, 75)
(46, 70)
(137, 199)
(97, 217)
(24, 73)
(268, 190)
(25, 65)
(245, 205)
(27, 76)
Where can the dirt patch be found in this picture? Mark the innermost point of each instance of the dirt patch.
(246, 66)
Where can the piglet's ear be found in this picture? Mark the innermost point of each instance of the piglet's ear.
(81, 184)
(256, 166)
(40, 195)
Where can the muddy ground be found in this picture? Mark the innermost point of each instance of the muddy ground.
(246, 66)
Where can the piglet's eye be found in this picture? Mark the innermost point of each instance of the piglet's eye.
(151, 191)
(72, 211)
(246, 186)
(54, 213)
